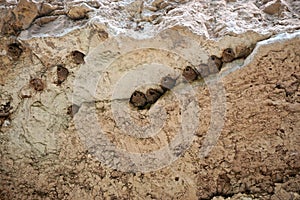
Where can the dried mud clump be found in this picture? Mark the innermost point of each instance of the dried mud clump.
(214, 63)
(4, 111)
(203, 70)
(167, 83)
(62, 74)
(138, 99)
(153, 95)
(14, 51)
(78, 57)
(37, 84)
(228, 55)
(72, 110)
(190, 74)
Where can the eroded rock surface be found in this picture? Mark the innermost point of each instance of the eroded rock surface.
(69, 68)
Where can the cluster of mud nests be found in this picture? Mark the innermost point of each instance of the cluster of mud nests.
(214, 64)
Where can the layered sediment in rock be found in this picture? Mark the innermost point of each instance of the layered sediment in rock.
(67, 73)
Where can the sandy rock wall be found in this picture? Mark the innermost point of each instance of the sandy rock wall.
(68, 71)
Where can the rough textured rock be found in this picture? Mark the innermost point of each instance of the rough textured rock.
(68, 70)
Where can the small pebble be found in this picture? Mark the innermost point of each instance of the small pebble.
(37, 84)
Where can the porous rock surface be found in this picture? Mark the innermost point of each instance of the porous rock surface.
(68, 69)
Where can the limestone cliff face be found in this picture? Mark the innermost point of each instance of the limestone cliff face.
(150, 99)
